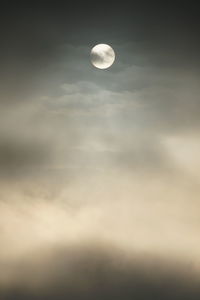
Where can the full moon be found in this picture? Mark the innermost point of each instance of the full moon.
(102, 56)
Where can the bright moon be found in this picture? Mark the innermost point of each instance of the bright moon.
(102, 56)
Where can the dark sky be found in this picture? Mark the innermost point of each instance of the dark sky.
(32, 35)
(99, 169)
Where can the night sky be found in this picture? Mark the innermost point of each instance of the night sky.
(99, 169)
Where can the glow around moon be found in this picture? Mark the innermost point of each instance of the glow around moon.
(102, 56)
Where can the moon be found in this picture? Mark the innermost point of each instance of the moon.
(102, 56)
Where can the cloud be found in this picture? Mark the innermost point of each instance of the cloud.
(16, 157)
(99, 155)
(95, 272)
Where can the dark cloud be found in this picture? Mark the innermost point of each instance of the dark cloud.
(95, 273)
(17, 158)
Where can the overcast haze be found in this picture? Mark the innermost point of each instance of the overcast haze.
(99, 169)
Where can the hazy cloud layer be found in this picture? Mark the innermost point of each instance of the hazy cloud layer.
(99, 169)
(93, 272)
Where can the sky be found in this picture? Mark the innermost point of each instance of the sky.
(99, 169)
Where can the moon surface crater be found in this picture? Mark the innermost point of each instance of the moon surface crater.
(102, 56)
